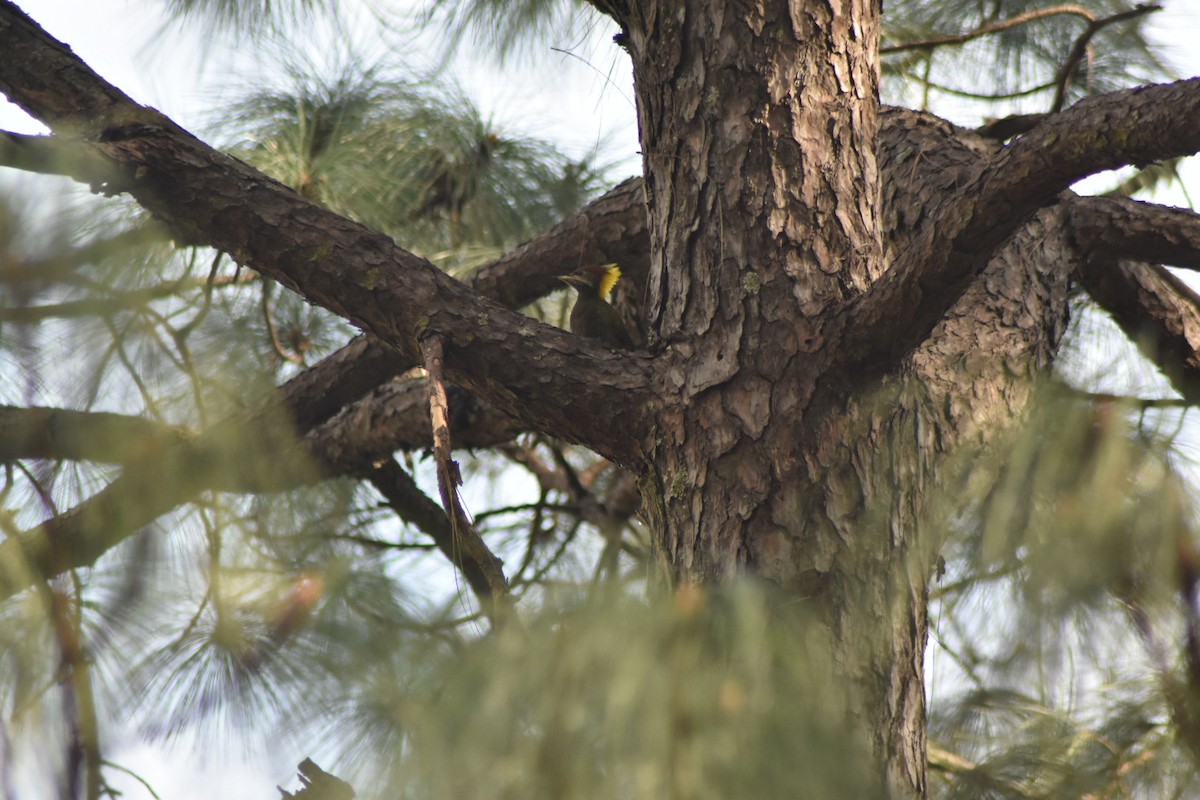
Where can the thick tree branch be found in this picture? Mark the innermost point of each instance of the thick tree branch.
(564, 384)
(395, 416)
(318, 392)
(611, 229)
(51, 155)
(62, 434)
(1122, 228)
(1136, 126)
(1158, 312)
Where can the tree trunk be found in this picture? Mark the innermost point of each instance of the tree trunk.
(758, 128)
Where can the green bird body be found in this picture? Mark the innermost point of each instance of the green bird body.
(592, 315)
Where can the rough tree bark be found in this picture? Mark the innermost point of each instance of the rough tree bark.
(825, 336)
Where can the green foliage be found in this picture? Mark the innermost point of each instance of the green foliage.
(510, 27)
(1056, 668)
(409, 158)
(703, 695)
(1121, 747)
(1087, 504)
(1019, 63)
(249, 17)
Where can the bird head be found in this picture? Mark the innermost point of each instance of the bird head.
(594, 280)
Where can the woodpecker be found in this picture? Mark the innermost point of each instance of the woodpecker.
(592, 315)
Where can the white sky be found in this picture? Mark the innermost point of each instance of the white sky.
(578, 101)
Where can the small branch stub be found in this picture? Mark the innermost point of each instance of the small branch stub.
(450, 478)
(317, 784)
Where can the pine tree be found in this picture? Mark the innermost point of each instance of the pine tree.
(868, 384)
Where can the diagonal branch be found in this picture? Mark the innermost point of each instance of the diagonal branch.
(466, 536)
(478, 565)
(1135, 126)
(1157, 310)
(1123, 228)
(63, 434)
(610, 229)
(395, 416)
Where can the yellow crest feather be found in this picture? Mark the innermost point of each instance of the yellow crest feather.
(612, 274)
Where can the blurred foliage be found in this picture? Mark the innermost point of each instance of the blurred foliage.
(508, 28)
(410, 158)
(250, 17)
(618, 697)
(1056, 667)
(1017, 66)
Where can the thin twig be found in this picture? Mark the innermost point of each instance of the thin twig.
(1149, 178)
(1175, 694)
(995, 27)
(145, 784)
(520, 508)
(1189, 581)
(1063, 79)
(209, 284)
(269, 318)
(1127, 402)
